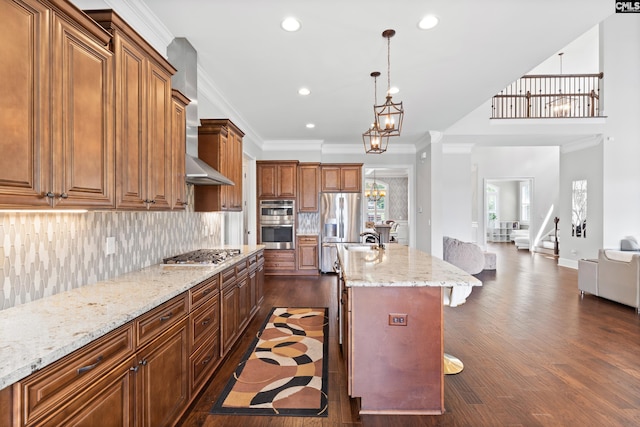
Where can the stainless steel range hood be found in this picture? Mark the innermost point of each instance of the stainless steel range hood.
(185, 58)
(198, 172)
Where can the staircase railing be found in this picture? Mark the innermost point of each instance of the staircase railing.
(549, 96)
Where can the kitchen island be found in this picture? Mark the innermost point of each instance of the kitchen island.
(392, 326)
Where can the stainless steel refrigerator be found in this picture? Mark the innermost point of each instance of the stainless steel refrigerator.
(340, 222)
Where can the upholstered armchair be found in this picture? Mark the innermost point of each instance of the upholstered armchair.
(464, 255)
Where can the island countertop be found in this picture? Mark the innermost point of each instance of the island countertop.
(36, 334)
(398, 265)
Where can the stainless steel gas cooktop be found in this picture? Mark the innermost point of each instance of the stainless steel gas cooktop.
(202, 256)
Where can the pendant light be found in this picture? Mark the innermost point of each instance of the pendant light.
(375, 141)
(389, 115)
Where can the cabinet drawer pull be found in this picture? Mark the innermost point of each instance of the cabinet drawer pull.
(166, 317)
(87, 368)
(206, 291)
(206, 321)
(207, 360)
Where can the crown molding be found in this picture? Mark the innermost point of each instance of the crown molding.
(586, 142)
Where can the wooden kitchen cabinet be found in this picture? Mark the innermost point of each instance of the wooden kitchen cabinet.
(109, 402)
(162, 383)
(280, 261)
(58, 386)
(220, 146)
(341, 177)
(228, 310)
(144, 109)
(260, 279)
(179, 104)
(146, 372)
(56, 110)
(308, 187)
(277, 179)
(307, 253)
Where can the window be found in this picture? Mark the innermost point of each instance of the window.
(493, 204)
(377, 210)
(525, 202)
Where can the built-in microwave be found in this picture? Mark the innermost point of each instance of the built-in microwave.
(277, 224)
(277, 212)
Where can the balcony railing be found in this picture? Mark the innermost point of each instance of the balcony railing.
(549, 96)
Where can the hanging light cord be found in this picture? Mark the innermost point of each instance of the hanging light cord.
(388, 65)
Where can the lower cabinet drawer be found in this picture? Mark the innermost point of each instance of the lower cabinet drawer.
(44, 391)
(153, 323)
(203, 361)
(205, 321)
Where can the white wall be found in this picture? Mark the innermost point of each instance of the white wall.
(577, 164)
(621, 153)
(456, 194)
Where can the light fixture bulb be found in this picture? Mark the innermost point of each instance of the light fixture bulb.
(290, 24)
(428, 22)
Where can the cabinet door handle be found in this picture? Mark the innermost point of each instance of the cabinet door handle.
(143, 362)
(49, 195)
(134, 369)
(64, 196)
(166, 317)
(87, 368)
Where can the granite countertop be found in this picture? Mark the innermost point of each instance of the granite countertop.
(38, 333)
(399, 265)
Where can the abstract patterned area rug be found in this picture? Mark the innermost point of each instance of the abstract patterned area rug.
(285, 371)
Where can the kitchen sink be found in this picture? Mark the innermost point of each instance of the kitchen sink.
(361, 247)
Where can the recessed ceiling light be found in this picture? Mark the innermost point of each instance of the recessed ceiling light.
(304, 91)
(290, 24)
(428, 22)
(310, 125)
(393, 90)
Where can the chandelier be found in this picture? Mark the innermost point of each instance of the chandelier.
(375, 141)
(375, 192)
(389, 115)
(563, 105)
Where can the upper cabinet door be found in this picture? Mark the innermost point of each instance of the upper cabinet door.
(25, 165)
(351, 178)
(308, 187)
(331, 178)
(131, 110)
(56, 110)
(178, 138)
(267, 179)
(82, 126)
(159, 139)
(277, 179)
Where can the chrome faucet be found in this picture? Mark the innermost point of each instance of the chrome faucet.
(373, 234)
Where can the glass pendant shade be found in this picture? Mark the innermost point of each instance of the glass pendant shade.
(375, 142)
(390, 116)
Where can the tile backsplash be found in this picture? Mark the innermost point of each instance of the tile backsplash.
(43, 254)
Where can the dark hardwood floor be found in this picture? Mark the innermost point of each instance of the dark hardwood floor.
(536, 353)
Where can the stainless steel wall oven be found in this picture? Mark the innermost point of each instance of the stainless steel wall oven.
(277, 224)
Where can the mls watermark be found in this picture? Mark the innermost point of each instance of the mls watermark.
(628, 7)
